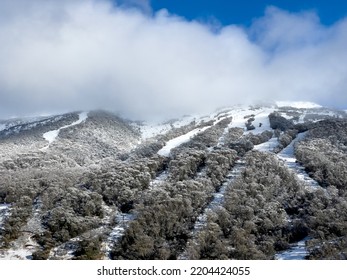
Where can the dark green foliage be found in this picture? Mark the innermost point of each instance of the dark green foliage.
(163, 221)
(260, 138)
(324, 153)
(89, 249)
(218, 164)
(185, 164)
(279, 122)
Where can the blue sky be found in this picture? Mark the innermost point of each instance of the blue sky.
(243, 12)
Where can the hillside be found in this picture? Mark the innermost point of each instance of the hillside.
(245, 182)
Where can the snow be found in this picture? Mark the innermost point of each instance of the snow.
(217, 201)
(242, 114)
(16, 254)
(20, 249)
(221, 140)
(158, 180)
(4, 212)
(302, 117)
(267, 146)
(239, 114)
(23, 247)
(122, 220)
(287, 155)
(149, 130)
(122, 223)
(297, 252)
(218, 197)
(298, 104)
(175, 142)
(64, 251)
(51, 136)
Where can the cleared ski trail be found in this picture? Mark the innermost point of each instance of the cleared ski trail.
(298, 250)
(287, 155)
(217, 201)
(51, 136)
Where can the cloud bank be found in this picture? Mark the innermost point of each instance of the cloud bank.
(86, 54)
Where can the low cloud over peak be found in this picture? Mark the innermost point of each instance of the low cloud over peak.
(72, 55)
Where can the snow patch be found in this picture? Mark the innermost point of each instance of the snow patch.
(217, 201)
(16, 254)
(149, 130)
(297, 252)
(175, 142)
(287, 155)
(122, 223)
(298, 104)
(261, 118)
(221, 140)
(4, 212)
(268, 146)
(51, 136)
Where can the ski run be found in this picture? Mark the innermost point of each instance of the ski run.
(52, 135)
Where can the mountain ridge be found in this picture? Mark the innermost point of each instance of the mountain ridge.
(97, 188)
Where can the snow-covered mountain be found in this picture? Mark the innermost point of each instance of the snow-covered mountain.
(91, 185)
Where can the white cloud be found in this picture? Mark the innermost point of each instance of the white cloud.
(143, 5)
(70, 55)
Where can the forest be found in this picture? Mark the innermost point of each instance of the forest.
(65, 200)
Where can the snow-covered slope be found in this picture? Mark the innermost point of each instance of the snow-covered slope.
(298, 104)
(79, 164)
(50, 136)
(173, 143)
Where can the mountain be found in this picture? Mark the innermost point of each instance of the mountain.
(244, 182)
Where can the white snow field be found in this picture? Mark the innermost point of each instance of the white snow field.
(239, 115)
(298, 104)
(149, 130)
(261, 122)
